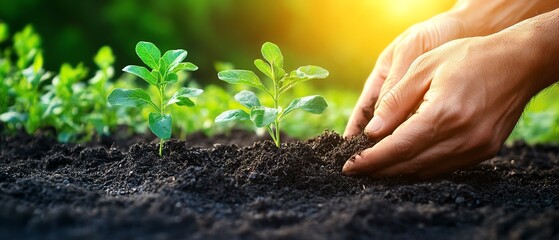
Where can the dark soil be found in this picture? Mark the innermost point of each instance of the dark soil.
(223, 191)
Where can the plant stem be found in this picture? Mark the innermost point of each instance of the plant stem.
(276, 130)
(162, 112)
(160, 147)
(272, 134)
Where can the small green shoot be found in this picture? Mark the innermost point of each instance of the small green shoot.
(163, 72)
(270, 117)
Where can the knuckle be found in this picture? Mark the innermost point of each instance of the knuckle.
(457, 117)
(390, 101)
(420, 63)
(403, 148)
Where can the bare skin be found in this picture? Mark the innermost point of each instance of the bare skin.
(446, 93)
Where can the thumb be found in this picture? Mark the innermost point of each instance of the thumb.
(397, 104)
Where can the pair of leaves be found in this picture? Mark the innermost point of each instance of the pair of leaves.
(183, 95)
(302, 74)
(169, 62)
(272, 54)
(159, 124)
(263, 116)
(138, 97)
(273, 69)
(13, 117)
(164, 68)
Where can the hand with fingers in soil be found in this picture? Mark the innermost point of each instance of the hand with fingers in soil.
(446, 93)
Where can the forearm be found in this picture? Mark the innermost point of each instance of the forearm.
(484, 17)
(542, 38)
(531, 49)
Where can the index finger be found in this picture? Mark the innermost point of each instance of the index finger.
(413, 137)
(364, 109)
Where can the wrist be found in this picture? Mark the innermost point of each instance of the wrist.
(537, 50)
(543, 34)
(481, 17)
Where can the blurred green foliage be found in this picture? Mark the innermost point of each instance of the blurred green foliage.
(68, 103)
(342, 36)
(72, 100)
(540, 121)
(74, 31)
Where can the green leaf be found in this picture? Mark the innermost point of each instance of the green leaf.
(162, 66)
(157, 75)
(13, 117)
(104, 57)
(141, 72)
(272, 54)
(148, 53)
(264, 67)
(65, 136)
(247, 99)
(172, 58)
(189, 92)
(181, 97)
(160, 125)
(4, 32)
(263, 116)
(184, 101)
(279, 72)
(313, 104)
(38, 62)
(244, 77)
(223, 66)
(188, 66)
(129, 98)
(171, 78)
(232, 115)
(311, 72)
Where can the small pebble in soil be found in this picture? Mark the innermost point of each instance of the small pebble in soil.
(459, 200)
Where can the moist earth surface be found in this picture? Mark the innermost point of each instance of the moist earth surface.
(242, 189)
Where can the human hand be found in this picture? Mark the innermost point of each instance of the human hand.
(395, 60)
(469, 94)
(466, 19)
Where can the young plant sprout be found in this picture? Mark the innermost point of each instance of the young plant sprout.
(281, 81)
(164, 72)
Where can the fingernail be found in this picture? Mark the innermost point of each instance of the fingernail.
(346, 169)
(374, 125)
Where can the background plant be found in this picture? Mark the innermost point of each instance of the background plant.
(65, 103)
(68, 104)
(540, 121)
(23, 102)
(270, 117)
(164, 72)
(22, 80)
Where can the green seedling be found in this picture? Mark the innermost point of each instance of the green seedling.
(22, 82)
(65, 106)
(270, 117)
(103, 118)
(164, 72)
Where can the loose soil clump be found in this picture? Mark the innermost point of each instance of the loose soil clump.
(257, 191)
